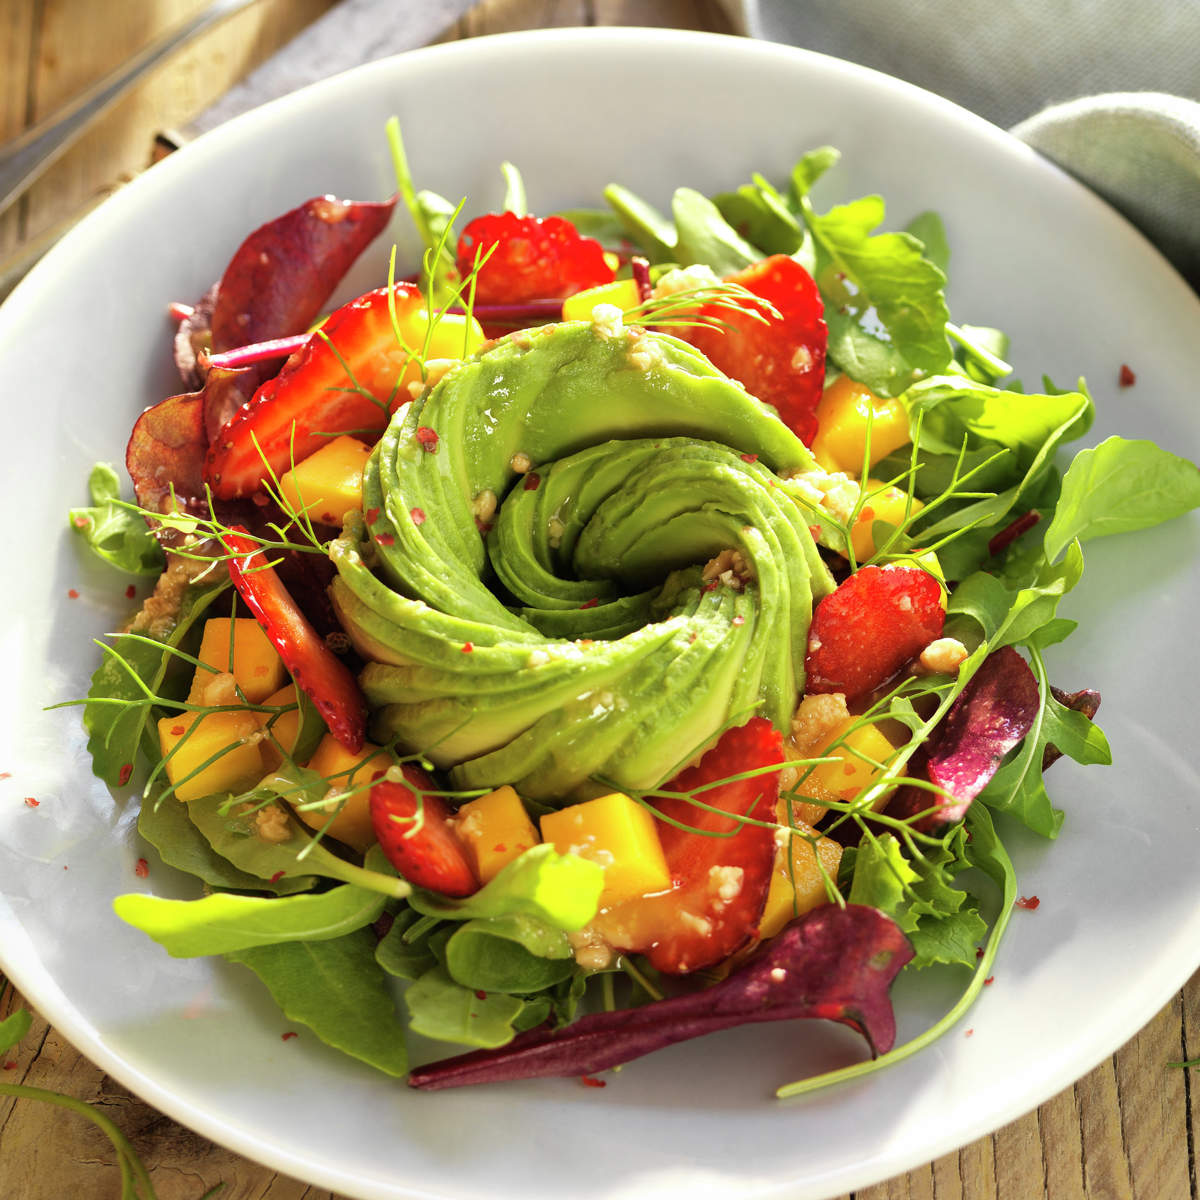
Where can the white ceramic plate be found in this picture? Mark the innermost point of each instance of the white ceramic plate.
(84, 344)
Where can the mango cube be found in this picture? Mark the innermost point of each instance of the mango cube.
(257, 668)
(881, 503)
(846, 411)
(848, 772)
(346, 771)
(620, 835)
(328, 484)
(495, 829)
(798, 885)
(283, 727)
(621, 292)
(230, 739)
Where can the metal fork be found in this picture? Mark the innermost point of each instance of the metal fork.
(24, 158)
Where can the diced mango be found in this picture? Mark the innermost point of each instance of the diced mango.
(346, 772)
(621, 292)
(495, 829)
(328, 484)
(189, 740)
(849, 771)
(881, 503)
(283, 727)
(799, 885)
(619, 834)
(846, 411)
(257, 668)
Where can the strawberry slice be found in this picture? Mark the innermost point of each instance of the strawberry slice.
(720, 866)
(422, 848)
(313, 666)
(313, 397)
(535, 258)
(873, 624)
(781, 360)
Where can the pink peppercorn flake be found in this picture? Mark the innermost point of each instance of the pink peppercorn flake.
(1126, 378)
(531, 481)
(11, 1065)
(815, 531)
(141, 868)
(480, 994)
(81, 522)
(371, 515)
(969, 1033)
(590, 603)
(418, 515)
(711, 585)
(30, 802)
(73, 593)
(125, 773)
(1028, 902)
(287, 1037)
(739, 620)
(277, 877)
(592, 1081)
(467, 647)
(749, 458)
(989, 980)
(386, 539)
(428, 438)
(130, 592)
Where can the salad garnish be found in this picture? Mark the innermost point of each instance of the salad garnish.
(629, 626)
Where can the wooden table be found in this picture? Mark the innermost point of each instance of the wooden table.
(1124, 1131)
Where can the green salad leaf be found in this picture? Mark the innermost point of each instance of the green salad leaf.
(113, 532)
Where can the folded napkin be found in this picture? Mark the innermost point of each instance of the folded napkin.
(1107, 89)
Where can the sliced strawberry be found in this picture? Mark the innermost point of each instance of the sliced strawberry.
(535, 258)
(314, 396)
(781, 360)
(424, 850)
(720, 866)
(878, 620)
(313, 666)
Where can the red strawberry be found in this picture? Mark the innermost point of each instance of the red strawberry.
(535, 258)
(871, 626)
(781, 360)
(720, 867)
(293, 415)
(313, 665)
(425, 850)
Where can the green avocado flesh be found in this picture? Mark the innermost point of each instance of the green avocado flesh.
(572, 635)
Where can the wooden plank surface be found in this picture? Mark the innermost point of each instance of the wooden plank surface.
(1126, 1131)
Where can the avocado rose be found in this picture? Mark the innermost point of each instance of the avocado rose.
(579, 555)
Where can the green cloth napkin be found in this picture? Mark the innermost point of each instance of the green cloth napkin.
(1107, 89)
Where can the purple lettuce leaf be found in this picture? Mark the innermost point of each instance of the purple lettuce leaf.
(834, 963)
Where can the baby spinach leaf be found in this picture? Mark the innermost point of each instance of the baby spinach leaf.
(131, 668)
(112, 532)
(645, 226)
(508, 954)
(166, 824)
(232, 835)
(1121, 486)
(561, 890)
(221, 923)
(442, 1009)
(763, 222)
(704, 236)
(338, 990)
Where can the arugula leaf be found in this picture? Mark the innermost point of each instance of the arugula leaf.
(809, 169)
(220, 923)
(442, 1009)
(928, 229)
(338, 990)
(1121, 486)
(112, 532)
(889, 274)
(13, 1028)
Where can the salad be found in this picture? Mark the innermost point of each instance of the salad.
(629, 626)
